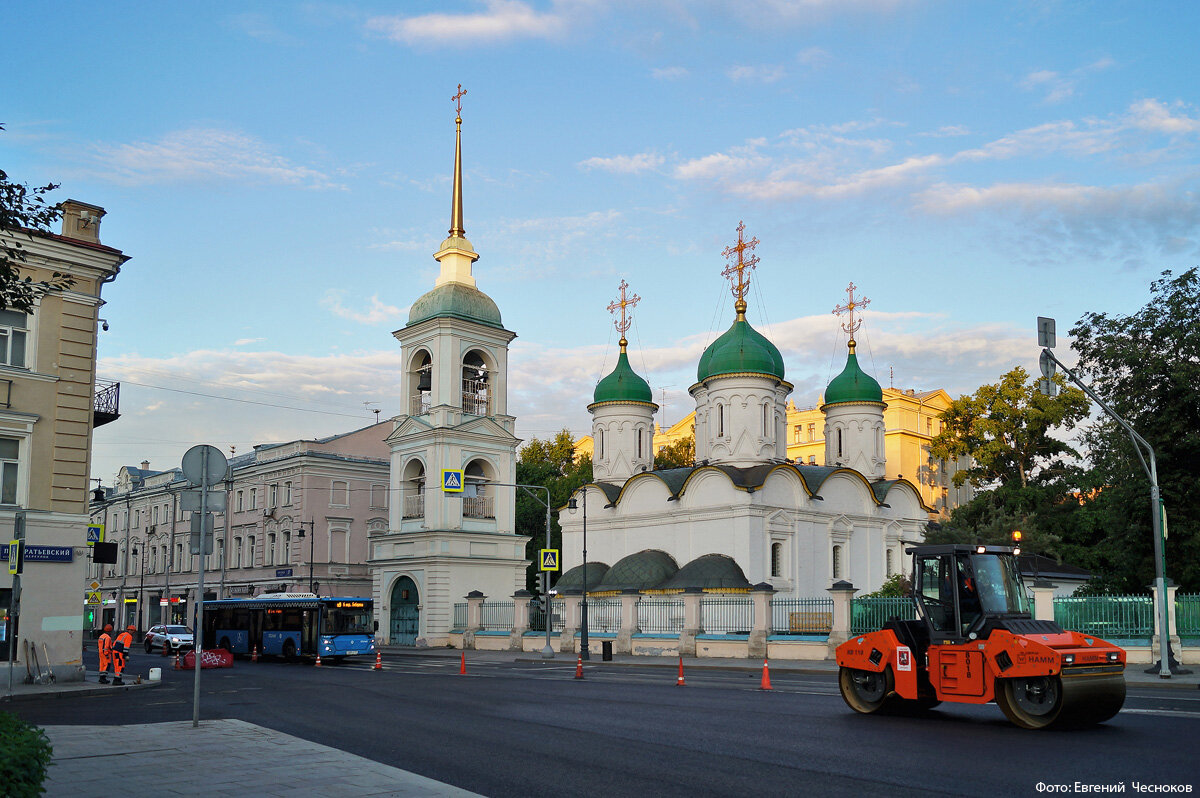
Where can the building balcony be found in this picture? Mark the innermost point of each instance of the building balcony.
(106, 403)
(414, 506)
(420, 404)
(478, 507)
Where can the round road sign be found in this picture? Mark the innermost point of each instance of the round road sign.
(204, 465)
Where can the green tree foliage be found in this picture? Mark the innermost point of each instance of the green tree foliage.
(551, 463)
(992, 516)
(895, 586)
(1146, 366)
(24, 757)
(1006, 430)
(24, 210)
(680, 454)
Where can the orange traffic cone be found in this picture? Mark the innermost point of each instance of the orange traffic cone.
(766, 677)
(579, 667)
(178, 664)
(318, 663)
(680, 682)
(166, 650)
(378, 660)
(462, 665)
(254, 654)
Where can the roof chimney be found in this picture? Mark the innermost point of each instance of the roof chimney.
(81, 221)
(145, 465)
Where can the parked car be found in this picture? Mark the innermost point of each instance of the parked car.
(169, 638)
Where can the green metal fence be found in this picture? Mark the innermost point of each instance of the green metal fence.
(1109, 617)
(1187, 616)
(460, 616)
(870, 614)
(801, 616)
(727, 615)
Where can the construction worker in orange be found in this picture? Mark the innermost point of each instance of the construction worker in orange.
(105, 647)
(120, 648)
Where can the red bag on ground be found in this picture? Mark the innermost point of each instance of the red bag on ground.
(212, 658)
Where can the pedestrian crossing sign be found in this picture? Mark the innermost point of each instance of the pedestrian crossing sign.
(95, 534)
(452, 481)
(548, 560)
(93, 597)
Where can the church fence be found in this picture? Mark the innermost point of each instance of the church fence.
(731, 615)
(869, 614)
(460, 616)
(604, 615)
(496, 616)
(801, 616)
(537, 616)
(658, 615)
(1108, 617)
(1187, 616)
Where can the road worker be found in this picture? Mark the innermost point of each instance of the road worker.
(120, 649)
(105, 647)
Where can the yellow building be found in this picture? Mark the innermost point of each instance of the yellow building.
(911, 420)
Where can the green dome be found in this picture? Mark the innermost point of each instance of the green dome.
(853, 385)
(458, 301)
(740, 349)
(643, 570)
(711, 572)
(623, 385)
(573, 579)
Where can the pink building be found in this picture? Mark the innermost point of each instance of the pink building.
(299, 515)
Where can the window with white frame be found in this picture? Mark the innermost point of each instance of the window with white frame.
(240, 501)
(796, 434)
(837, 562)
(287, 493)
(10, 469)
(274, 496)
(237, 552)
(339, 493)
(254, 498)
(250, 552)
(379, 496)
(776, 559)
(287, 547)
(14, 329)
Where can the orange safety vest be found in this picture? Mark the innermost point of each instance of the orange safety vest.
(105, 647)
(123, 644)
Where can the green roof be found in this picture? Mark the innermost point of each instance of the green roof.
(573, 579)
(623, 385)
(458, 301)
(711, 572)
(853, 385)
(643, 570)
(739, 350)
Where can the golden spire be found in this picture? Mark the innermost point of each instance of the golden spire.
(741, 286)
(850, 307)
(456, 206)
(624, 302)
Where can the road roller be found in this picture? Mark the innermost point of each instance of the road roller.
(975, 641)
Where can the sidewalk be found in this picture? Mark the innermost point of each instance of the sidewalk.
(235, 758)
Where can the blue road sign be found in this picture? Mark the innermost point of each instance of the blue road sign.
(452, 481)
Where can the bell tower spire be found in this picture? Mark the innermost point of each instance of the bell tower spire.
(456, 253)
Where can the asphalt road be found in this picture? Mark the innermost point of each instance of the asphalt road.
(531, 729)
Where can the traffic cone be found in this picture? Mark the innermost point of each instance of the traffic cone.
(178, 664)
(318, 663)
(254, 654)
(378, 660)
(166, 650)
(462, 664)
(579, 667)
(766, 677)
(680, 682)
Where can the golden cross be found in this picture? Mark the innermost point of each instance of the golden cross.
(457, 99)
(625, 302)
(741, 285)
(850, 307)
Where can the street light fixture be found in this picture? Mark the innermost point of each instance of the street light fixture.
(584, 652)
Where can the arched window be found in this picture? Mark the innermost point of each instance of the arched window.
(475, 392)
(837, 562)
(422, 382)
(720, 420)
(599, 444)
(476, 498)
(776, 559)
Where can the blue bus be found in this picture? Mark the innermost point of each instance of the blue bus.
(291, 625)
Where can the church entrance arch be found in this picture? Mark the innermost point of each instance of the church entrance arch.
(406, 613)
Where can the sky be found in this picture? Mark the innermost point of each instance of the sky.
(279, 174)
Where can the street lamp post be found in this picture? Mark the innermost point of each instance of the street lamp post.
(312, 541)
(583, 608)
(134, 543)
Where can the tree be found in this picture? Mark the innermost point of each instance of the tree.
(23, 212)
(1146, 366)
(551, 463)
(1005, 430)
(680, 454)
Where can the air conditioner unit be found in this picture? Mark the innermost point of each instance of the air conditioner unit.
(111, 572)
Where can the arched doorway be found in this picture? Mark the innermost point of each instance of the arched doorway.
(406, 616)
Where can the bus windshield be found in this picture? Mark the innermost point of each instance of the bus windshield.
(346, 622)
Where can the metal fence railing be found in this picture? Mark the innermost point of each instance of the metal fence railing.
(537, 616)
(801, 616)
(870, 614)
(1187, 615)
(460, 615)
(727, 615)
(660, 615)
(496, 616)
(1122, 617)
(604, 615)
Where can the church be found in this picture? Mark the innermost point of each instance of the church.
(743, 514)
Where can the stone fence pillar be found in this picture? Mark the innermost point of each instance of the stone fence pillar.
(843, 593)
(571, 600)
(474, 617)
(629, 627)
(761, 598)
(691, 621)
(520, 619)
(1043, 600)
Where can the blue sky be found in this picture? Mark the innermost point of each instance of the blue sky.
(280, 175)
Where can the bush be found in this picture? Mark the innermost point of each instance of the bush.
(896, 586)
(24, 757)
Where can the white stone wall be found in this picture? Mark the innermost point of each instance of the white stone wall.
(615, 431)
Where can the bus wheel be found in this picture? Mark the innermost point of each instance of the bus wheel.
(289, 650)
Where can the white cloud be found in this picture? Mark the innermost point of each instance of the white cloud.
(947, 131)
(246, 341)
(261, 27)
(201, 154)
(501, 20)
(815, 57)
(669, 73)
(1158, 117)
(767, 73)
(624, 164)
(1060, 87)
(376, 312)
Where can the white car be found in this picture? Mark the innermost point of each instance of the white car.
(169, 638)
